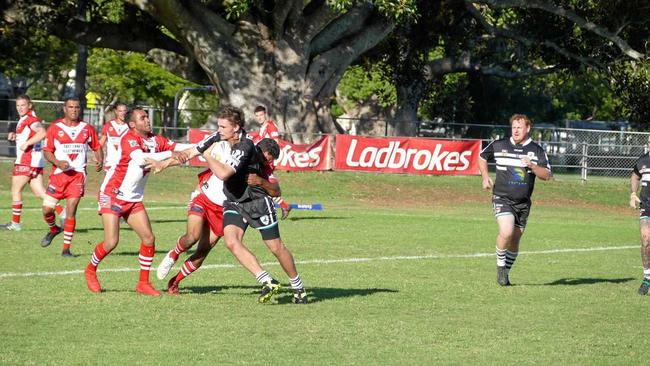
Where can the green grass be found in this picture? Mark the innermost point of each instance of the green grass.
(414, 295)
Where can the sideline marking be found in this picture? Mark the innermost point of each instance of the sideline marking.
(332, 261)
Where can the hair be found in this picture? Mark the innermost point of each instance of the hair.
(73, 99)
(130, 115)
(24, 97)
(260, 108)
(522, 117)
(232, 114)
(119, 104)
(270, 146)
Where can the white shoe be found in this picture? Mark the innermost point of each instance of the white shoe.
(12, 226)
(165, 266)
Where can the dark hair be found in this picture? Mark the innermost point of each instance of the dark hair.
(270, 146)
(260, 108)
(130, 114)
(24, 97)
(232, 114)
(73, 99)
(119, 104)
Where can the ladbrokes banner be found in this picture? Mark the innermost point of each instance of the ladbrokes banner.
(316, 156)
(407, 155)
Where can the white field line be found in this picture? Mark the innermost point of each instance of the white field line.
(334, 261)
(155, 208)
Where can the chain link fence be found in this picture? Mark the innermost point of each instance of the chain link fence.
(578, 151)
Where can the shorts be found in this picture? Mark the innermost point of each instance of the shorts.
(258, 213)
(114, 206)
(68, 184)
(26, 170)
(503, 206)
(200, 205)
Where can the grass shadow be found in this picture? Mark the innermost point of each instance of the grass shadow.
(315, 294)
(316, 218)
(586, 281)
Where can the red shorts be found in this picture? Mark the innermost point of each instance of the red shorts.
(113, 206)
(210, 211)
(68, 184)
(25, 170)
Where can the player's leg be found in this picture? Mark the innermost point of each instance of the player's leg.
(18, 182)
(38, 188)
(111, 224)
(139, 222)
(275, 244)
(192, 234)
(49, 202)
(645, 255)
(506, 223)
(194, 261)
(69, 224)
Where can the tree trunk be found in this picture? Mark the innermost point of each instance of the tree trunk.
(409, 94)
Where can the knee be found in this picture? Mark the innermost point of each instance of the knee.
(149, 238)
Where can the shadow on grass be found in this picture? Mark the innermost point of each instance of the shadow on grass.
(315, 294)
(315, 218)
(137, 253)
(586, 281)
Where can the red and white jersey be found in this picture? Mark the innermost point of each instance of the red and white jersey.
(33, 155)
(126, 179)
(210, 185)
(267, 130)
(71, 143)
(113, 131)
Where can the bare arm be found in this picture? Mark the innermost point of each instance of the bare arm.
(178, 158)
(99, 159)
(61, 164)
(273, 189)
(485, 175)
(219, 169)
(38, 136)
(541, 172)
(635, 180)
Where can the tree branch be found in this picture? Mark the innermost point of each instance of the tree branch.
(570, 15)
(181, 66)
(349, 23)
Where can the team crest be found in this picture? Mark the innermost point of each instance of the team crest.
(133, 143)
(265, 219)
(60, 133)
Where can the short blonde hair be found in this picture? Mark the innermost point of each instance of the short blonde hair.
(522, 117)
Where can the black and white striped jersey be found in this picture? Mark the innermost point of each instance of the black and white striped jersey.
(642, 170)
(514, 180)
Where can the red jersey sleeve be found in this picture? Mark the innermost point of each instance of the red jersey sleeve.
(129, 144)
(164, 144)
(50, 135)
(93, 140)
(272, 130)
(105, 129)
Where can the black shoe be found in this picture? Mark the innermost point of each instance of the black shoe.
(47, 239)
(502, 276)
(645, 286)
(269, 289)
(300, 296)
(67, 254)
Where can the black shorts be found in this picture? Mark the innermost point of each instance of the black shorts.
(503, 206)
(258, 213)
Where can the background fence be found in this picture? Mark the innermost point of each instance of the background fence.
(578, 151)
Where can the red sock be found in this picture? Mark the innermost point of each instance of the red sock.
(16, 210)
(58, 209)
(177, 250)
(68, 232)
(145, 259)
(186, 270)
(50, 218)
(99, 254)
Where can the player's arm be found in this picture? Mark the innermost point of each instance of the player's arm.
(541, 172)
(635, 181)
(271, 187)
(485, 155)
(174, 159)
(219, 169)
(39, 135)
(61, 164)
(11, 135)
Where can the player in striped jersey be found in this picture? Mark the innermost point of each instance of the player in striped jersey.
(641, 177)
(519, 161)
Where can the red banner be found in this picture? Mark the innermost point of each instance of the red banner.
(407, 155)
(295, 157)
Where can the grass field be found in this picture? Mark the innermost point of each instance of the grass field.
(399, 269)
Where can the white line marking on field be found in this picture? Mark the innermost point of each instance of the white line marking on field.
(154, 208)
(333, 261)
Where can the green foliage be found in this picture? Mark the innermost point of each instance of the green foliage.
(631, 83)
(360, 83)
(400, 10)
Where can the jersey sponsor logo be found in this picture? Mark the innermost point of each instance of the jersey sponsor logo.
(518, 175)
(73, 148)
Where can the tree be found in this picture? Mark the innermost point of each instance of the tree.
(289, 55)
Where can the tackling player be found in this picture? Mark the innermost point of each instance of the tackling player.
(640, 178)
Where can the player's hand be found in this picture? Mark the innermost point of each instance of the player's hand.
(11, 136)
(23, 147)
(154, 165)
(63, 165)
(487, 184)
(181, 156)
(99, 166)
(526, 161)
(253, 180)
(634, 200)
(285, 212)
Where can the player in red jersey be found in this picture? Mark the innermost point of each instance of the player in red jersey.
(67, 143)
(112, 134)
(268, 129)
(121, 195)
(28, 168)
